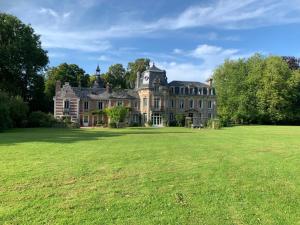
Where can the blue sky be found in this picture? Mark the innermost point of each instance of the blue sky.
(186, 38)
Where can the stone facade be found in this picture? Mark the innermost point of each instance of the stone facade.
(152, 99)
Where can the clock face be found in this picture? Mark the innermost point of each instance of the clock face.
(146, 78)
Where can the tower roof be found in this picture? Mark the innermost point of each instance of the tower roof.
(155, 69)
(98, 68)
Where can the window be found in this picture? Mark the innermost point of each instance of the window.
(210, 115)
(191, 91)
(209, 104)
(156, 103)
(200, 104)
(100, 105)
(181, 104)
(145, 117)
(195, 91)
(119, 103)
(172, 90)
(156, 88)
(191, 103)
(86, 105)
(135, 104)
(200, 91)
(186, 90)
(172, 103)
(136, 118)
(67, 104)
(176, 90)
(182, 90)
(145, 102)
(204, 91)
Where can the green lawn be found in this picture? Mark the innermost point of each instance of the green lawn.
(239, 175)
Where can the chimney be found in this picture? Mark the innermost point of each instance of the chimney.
(210, 80)
(57, 86)
(137, 82)
(108, 88)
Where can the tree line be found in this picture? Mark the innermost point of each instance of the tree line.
(259, 90)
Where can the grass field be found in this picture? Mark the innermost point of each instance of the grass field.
(239, 175)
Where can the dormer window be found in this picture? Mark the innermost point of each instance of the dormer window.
(182, 90)
(176, 90)
(156, 87)
(119, 103)
(186, 90)
(204, 91)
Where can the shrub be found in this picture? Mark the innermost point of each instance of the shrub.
(134, 124)
(117, 114)
(173, 123)
(180, 119)
(214, 124)
(41, 119)
(112, 125)
(18, 111)
(150, 123)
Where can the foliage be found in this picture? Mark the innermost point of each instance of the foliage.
(116, 76)
(41, 119)
(149, 123)
(240, 175)
(22, 58)
(71, 73)
(214, 124)
(180, 119)
(117, 114)
(257, 90)
(139, 65)
(18, 111)
(5, 119)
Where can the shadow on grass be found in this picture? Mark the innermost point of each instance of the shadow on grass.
(53, 135)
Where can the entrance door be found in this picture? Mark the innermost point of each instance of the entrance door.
(156, 119)
(85, 121)
(191, 115)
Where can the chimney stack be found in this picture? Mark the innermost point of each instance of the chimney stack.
(108, 88)
(57, 86)
(137, 82)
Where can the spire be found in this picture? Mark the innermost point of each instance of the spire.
(98, 70)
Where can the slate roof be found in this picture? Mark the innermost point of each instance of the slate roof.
(153, 68)
(102, 94)
(187, 83)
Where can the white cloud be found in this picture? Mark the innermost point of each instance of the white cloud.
(186, 71)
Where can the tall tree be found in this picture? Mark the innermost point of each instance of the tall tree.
(65, 73)
(22, 57)
(116, 76)
(273, 92)
(140, 65)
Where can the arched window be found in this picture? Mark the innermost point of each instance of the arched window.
(204, 91)
(195, 90)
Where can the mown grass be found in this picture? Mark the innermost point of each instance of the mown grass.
(239, 175)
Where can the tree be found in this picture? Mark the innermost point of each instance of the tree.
(293, 62)
(139, 65)
(273, 92)
(22, 57)
(116, 76)
(5, 120)
(257, 90)
(71, 73)
(117, 114)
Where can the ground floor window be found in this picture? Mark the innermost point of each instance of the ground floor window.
(156, 119)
